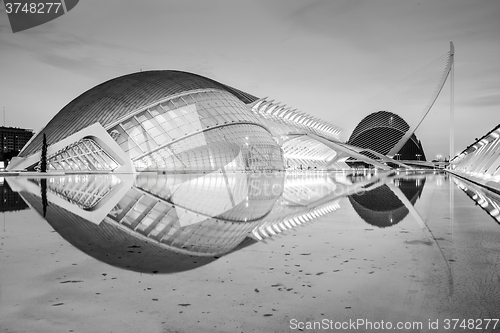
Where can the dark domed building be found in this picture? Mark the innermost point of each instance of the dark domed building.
(381, 131)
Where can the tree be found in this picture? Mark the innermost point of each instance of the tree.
(43, 158)
(45, 202)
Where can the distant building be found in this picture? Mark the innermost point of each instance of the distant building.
(381, 131)
(12, 140)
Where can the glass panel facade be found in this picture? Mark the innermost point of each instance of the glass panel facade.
(85, 191)
(159, 219)
(199, 131)
(233, 147)
(84, 155)
(228, 196)
(205, 130)
(482, 158)
(120, 97)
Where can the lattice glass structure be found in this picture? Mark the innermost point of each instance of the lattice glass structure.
(288, 125)
(304, 153)
(487, 200)
(482, 158)
(85, 191)
(381, 131)
(200, 131)
(121, 97)
(205, 215)
(84, 155)
(162, 121)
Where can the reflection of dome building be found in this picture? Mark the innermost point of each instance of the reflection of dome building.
(381, 207)
(169, 223)
(151, 222)
(381, 131)
(116, 246)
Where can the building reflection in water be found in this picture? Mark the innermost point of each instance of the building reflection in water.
(158, 223)
(487, 200)
(382, 207)
(10, 201)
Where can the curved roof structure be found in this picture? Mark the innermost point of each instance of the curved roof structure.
(481, 158)
(381, 131)
(175, 121)
(119, 97)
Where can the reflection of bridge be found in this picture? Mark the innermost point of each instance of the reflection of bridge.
(426, 164)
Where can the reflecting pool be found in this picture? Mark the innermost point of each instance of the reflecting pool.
(242, 252)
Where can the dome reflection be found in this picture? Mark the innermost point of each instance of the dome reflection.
(152, 222)
(157, 223)
(382, 207)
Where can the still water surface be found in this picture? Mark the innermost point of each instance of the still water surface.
(235, 252)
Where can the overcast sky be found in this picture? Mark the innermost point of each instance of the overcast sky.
(321, 57)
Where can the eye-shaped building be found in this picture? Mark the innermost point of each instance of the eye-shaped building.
(175, 121)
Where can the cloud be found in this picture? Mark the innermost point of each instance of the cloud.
(79, 65)
(69, 52)
(492, 99)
